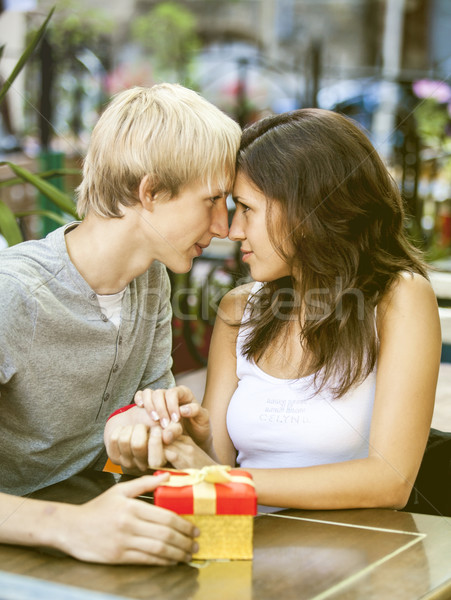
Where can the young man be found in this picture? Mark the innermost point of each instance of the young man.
(85, 320)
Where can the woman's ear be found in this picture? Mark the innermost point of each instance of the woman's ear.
(145, 194)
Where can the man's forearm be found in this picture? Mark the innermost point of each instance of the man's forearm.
(31, 522)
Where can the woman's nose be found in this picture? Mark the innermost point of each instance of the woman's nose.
(236, 232)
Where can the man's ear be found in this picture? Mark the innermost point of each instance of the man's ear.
(145, 194)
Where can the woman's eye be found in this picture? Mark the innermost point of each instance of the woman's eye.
(240, 207)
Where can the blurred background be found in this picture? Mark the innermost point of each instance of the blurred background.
(386, 63)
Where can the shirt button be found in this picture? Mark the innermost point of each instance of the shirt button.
(119, 341)
(104, 318)
(92, 296)
(106, 397)
(115, 368)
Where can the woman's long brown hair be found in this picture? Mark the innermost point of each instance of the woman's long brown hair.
(342, 232)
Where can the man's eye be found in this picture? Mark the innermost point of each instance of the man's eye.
(214, 199)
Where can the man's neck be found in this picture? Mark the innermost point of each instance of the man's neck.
(105, 251)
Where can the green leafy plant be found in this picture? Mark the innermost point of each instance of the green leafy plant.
(74, 59)
(9, 226)
(25, 56)
(168, 32)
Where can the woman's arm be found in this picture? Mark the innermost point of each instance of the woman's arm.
(222, 380)
(407, 371)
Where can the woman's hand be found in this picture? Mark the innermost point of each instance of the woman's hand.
(135, 439)
(118, 528)
(183, 453)
(174, 407)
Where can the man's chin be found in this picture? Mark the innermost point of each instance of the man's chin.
(179, 269)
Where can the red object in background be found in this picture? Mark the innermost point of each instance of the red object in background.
(445, 228)
(183, 358)
(231, 498)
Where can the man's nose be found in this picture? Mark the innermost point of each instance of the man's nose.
(220, 222)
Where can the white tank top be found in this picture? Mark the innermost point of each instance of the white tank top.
(282, 423)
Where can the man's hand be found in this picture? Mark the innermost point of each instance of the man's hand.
(118, 528)
(129, 447)
(135, 438)
(126, 438)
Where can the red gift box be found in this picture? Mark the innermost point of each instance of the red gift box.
(220, 501)
(232, 498)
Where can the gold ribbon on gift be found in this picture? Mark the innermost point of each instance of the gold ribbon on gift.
(203, 482)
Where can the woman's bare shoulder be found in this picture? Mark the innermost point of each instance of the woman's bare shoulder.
(232, 305)
(409, 287)
(409, 295)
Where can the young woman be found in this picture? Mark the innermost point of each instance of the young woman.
(321, 378)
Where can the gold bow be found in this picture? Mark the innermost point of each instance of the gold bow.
(203, 480)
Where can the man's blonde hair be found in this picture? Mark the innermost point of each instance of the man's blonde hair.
(167, 132)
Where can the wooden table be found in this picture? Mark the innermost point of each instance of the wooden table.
(351, 554)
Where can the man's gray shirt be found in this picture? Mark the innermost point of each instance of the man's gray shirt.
(64, 368)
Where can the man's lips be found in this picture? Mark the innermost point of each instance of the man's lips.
(200, 247)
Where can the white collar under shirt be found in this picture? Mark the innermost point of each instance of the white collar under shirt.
(111, 306)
